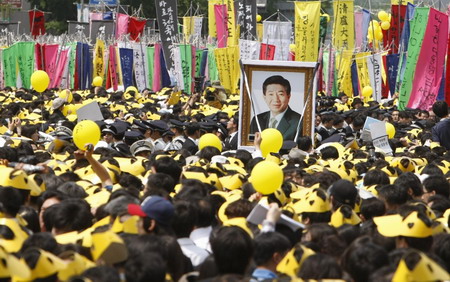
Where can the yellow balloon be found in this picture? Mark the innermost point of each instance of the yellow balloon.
(367, 91)
(271, 142)
(385, 25)
(379, 35)
(266, 177)
(209, 139)
(40, 80)
(98, 81)
(390, 130)
(258, 18)
(63, 94)
(383, 16)
(86, 132)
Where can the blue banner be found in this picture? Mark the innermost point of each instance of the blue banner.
(355, 80)
(126, 63)
(392, 67)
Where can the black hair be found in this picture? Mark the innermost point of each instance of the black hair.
(277, 79)
(10, 201)
(72, 190)
(31, 216)
(160, 184)
(232, 249)
(304, 143)
(72, 215)
(411, 181)
(393, 195)
(441, 248)
(440, 109)
(320, 266)
(267, 244)
(168, 166)
(145, 267)
(329, 152)
(375, 177)
(438, 184)
(432, 169)
(208, 152)
(439, 204)
(184, 219)
(372, 207)
(102, 274)
(205, 213)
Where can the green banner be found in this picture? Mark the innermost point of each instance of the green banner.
(212, 67)
(72, 62)
(418, 26)
(186, 66)
(151, 63)
(198, 61)
(25, 59)
(9, 66)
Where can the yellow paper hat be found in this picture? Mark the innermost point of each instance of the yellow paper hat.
(128, 226)
(396, 225)
(68, 238)
(47, 265)
(229, 199)
(338, 218)
(294, 259)
(108, 247)
(424, 270)
(76, 265)
(17, 179)
(232, 182)
(98, 199)
(11, 266)
(314, 200)
(12, 245)
(240, 222)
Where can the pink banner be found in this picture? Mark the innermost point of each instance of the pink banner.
(60, 65)
(113, 67)
(157, 69)
(50, 56)
(430, 65)
(358, 29)
(220, 11)
(122, 25)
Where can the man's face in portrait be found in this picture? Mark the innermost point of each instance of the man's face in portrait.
(276, 98)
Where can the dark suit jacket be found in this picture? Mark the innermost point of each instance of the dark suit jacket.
(190, 146)
(231, 144)
(287, 126)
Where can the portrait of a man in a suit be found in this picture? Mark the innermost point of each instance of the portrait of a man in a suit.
(276, 95)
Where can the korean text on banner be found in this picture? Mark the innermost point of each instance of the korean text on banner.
(344, 29)
(428, 76)
(374, 66)
(246, 18)
(212, 17)
(25, 60)
(363, 72)
(167, 16)
(98, 58)
(231, 24)
(221, 15)
(277, 34)
(307, 23)
(418, 27)
(343, 67)
(9, 65)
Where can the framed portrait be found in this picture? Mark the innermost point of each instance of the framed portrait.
(277, 98)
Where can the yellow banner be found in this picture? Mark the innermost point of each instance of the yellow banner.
(259, 31)
(343, 65)
(118, 67)
(188, 26)
(344, 27)
(212, 18)
(402, 2)
(307, 26)
(361, 67)
(233, 37)
(227, 62)
(99, 50)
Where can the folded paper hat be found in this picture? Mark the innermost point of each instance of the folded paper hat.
(344, 215)
(410, 226)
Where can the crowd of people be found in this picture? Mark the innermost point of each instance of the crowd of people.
(145, 203)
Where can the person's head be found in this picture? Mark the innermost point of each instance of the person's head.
(343, 192)
(440, 109)
(71, 215)
(393, 196)
(404, 117)
(168, 166)
(412, 182)
(232, 124)
(277, 92)
(375, 177)
(395, 115)
(435, 185)
(270, 248)
(184, 219)
(372, 207)
(343, 97)
(10, 201)
(328, 266)
(232, 248)
(146, 267)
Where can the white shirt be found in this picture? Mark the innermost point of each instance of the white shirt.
(200, 237)
(196, 254)
(159, 144)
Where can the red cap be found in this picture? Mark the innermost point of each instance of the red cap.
(135, 209)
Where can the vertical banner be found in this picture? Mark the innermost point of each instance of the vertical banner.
(392, 70)
(113, 68)
(249, 49)
(397, 21)
(278, 34)
(25, 60)
(139, 67)
(227, 61)
(267, 52)
(343, 27)
(126, 63)
(362, 20)
(343, 66)
(427, 78)
(231, 24)
(37, 22)
(221, 25)
(136, 27)
(374, 66)
(60, 67)
(418, 27)
(98, 64)
(121, 25)
(212, 17)
(186, 66)
(50, 56)
(150, 65)
(9, 66)
(447, 73)
(178, 68)
(72, 63)
(167, 16)
(187, 27)
(307, 26)
(2, 79)
(157, 68)
(361, 66)
(246, 18)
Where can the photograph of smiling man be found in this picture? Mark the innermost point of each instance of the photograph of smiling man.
(276, 93)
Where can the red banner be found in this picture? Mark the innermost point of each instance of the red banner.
(37, 22)
(267, 52)
(135, 28)
(395, 32)
(447, 75)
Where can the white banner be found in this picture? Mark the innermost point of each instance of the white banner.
(139, 66)
(198, 21)
(178, 69)
(65, 78)
(278, 34)
(2, 81)
(249, 49)
(374, 64)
